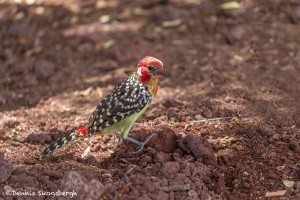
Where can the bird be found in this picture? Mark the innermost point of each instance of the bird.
(118, 111)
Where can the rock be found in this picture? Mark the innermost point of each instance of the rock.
(144, 197)
(248, 132)
(153, 113)
(39, 138)
(145, 161)
(172, 114)
(293, 145)
(2, 158)
(267, 130)
(193, 194)
(162, 157)
(235, 34)
(23, 67)
(5, 171)
(139, 179)
(43, 69)
(28, 161)
(297, 186)
(162, 195)
(24, 180)
(74, 181)
(45, 180)
(52, 173)
(168, 13)
(22, 31)
(276, 137)
(170, 168)
(207, 113)
(172, 102)
(295, 15)
(165, 141)
(200, 148)
(19, 170)
(232, 13)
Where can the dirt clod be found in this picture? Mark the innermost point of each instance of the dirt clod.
(235, 34)
(165, 141)
(293, 145)
(43, 69)
(39, 138)
(169, 168)
(173, 114)
(200, 148)
(162, 157)
(295, 16)
(5, 171)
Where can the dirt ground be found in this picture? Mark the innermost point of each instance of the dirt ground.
(59, 58)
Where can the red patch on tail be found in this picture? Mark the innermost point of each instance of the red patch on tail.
(82, 130)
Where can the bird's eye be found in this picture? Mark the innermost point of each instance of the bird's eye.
(150, 68)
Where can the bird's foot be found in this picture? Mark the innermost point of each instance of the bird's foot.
(140, 144)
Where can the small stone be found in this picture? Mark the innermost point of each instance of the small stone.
(74, 181)
(293, 145)
(295, 16)
(193, 194)
(206, 113)
(162, 157)
(297, 186)
(139, 179)
(24, 180)
(276, 136)
(39, 138)
(44, 69)
(170, 168)
(235, 34)
(28, 161)
(173, 115)
(23, 31)
(19, 170)
(52, 173)
(267, 130)
(162, 195)
(153, 113)
(23, 67)
(246, 185)
(5, 171)
(248, 132)
(146, 160)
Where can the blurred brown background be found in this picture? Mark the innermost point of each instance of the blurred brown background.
(239, 59)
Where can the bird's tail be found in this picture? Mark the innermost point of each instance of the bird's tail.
(82, 131)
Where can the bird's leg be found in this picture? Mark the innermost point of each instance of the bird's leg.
(120, 139)
(140, 144)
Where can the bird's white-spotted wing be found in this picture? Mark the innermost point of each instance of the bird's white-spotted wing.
(126, 99)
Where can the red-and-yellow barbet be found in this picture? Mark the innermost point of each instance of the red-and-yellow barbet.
(119, 110)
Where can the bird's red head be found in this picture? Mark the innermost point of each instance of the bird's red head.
(150, 67)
